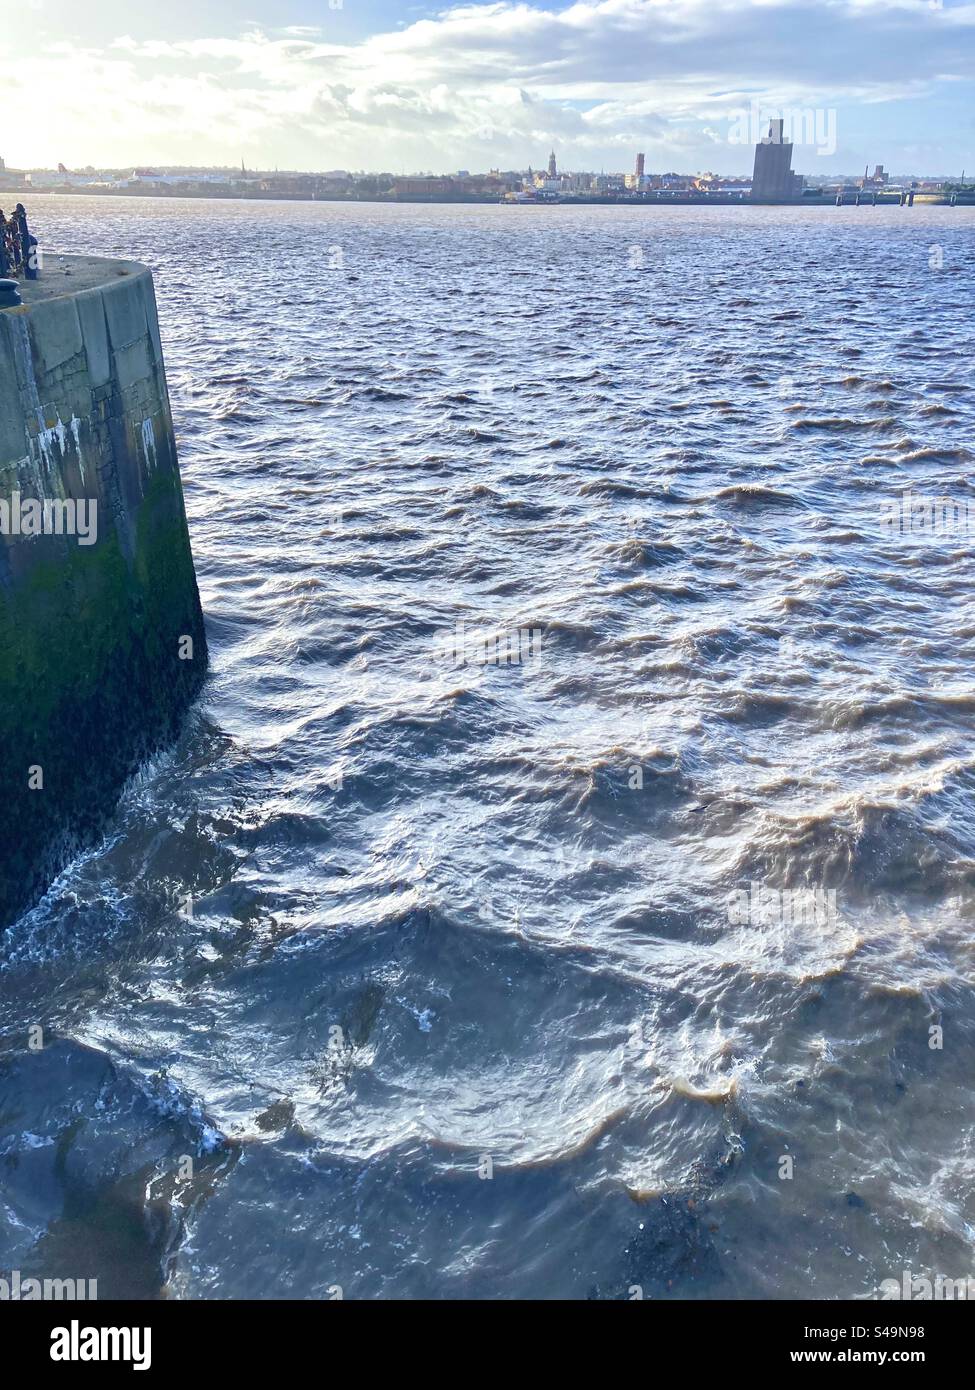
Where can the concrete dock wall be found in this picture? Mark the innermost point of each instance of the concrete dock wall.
(101, 633)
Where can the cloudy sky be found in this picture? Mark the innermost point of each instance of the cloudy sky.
(374, 84)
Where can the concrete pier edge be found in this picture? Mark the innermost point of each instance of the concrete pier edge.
(102, 645)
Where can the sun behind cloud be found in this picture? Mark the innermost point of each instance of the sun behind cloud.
(499, 84)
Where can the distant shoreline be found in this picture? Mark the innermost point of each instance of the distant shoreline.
(490, 200)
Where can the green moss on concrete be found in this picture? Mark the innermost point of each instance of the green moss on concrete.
(91, 677)
(91, 682)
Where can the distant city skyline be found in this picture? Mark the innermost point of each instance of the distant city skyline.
(373, 85)
(146, 168)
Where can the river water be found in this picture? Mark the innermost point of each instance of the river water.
(415, 972)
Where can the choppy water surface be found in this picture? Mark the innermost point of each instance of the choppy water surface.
(381, 920)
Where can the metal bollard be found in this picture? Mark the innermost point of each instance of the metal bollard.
(9, 294)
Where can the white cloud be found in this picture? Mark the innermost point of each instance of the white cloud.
(479, 83)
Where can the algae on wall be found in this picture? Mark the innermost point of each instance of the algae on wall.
(101, 634)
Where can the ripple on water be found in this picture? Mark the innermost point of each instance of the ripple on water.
(386, 914)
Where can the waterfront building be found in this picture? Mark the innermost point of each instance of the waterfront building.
(772, 179)
(878, 179)
(608, 183)
(638, 182)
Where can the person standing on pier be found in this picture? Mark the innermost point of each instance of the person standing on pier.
(28, 243)
(7, 266)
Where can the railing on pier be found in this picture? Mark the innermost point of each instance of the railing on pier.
(18, 246)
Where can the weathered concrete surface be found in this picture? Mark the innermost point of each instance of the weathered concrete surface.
(102, 643)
